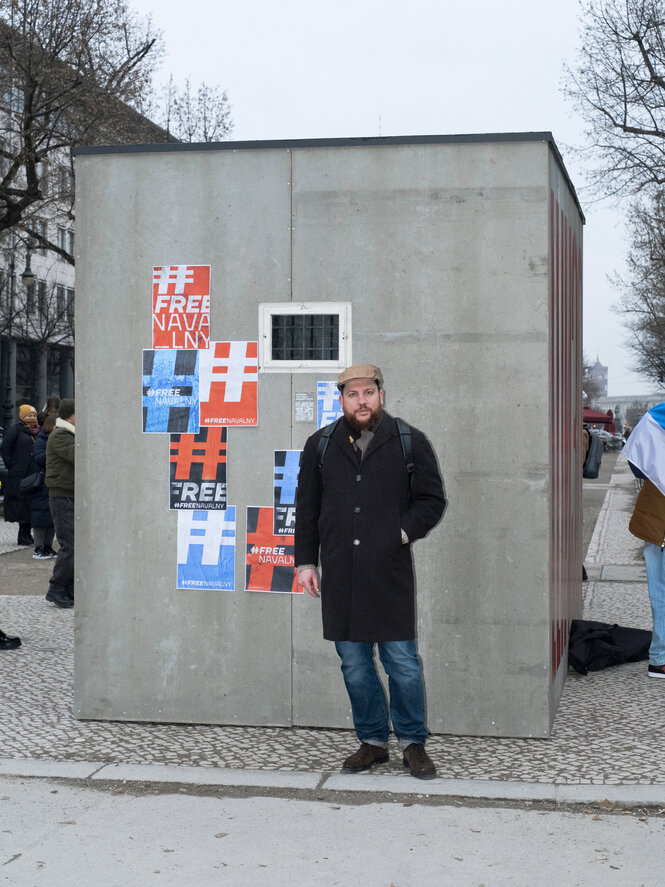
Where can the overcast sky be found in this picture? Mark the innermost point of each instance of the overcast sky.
(305, 69)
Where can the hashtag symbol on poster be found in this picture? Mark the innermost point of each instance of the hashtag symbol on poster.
(207, 449)
(286, 476)
(195, 529)
(208, 529)
(179, 275)
(235, 368)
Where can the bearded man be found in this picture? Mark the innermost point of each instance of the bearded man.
(360, 509)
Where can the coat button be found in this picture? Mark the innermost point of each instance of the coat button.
(359, 477)
(357, 509)
(356, 541)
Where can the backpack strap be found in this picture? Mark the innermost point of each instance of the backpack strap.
(407, 446)
(324, 440)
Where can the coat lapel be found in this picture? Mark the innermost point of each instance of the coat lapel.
(343, 434)
(343, 438)
(385, 431)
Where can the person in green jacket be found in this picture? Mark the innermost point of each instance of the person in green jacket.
(60, 451)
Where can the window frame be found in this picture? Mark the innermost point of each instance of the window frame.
(267, 364)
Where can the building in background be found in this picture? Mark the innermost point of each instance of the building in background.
(628, 409)
(36, 320)
(597, 374)
(37, 288)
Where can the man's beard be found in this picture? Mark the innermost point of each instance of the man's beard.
(359, 425)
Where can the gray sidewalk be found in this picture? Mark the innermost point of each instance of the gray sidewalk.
(605, 745)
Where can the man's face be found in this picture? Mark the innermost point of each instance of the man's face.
(362, 403)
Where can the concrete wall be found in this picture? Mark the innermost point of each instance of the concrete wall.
(445, 249)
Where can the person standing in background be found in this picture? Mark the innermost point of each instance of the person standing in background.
(16, 450)
(60, 452)
(645, 452)
(41, 519)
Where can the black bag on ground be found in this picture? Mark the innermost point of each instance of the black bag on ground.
(596, 645)
(594, 457)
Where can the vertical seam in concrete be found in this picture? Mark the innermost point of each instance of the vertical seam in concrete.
(291, 715)
(291, 227)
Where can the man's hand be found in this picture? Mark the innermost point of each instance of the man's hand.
(310, 582)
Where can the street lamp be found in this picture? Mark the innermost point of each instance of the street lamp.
(10, 362)
(28, 279)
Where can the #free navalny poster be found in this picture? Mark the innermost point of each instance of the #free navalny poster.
(206, 549)
(269, 559)
(198, 470)
(170, 391)
(285, 484)
(229, 384)
(328, 407)
(181, 306)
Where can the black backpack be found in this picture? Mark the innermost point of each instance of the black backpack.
(404, 436)
(594, 457)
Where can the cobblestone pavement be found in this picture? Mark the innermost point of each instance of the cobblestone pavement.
(607, 731)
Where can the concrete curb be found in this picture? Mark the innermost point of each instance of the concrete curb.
(376, 785)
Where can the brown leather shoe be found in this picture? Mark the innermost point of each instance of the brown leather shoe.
(366, 756)
(418, 761)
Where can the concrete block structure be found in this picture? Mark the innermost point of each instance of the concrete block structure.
(455, 264)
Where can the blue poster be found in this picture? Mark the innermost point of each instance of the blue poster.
(328, 407)
(207, 549)
(285, 484)
(171, 391)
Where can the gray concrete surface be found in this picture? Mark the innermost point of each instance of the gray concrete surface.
(64, 835)
(101, 803)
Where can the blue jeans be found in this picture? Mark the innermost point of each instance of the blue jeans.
(368, 700)
(655, 563)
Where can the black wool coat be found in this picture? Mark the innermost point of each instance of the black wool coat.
(353, 511)
(17, 455)
(40, 511)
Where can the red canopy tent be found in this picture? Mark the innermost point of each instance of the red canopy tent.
(594, 417)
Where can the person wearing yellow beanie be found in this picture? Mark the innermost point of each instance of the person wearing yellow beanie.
(16, 451)
(27, 414)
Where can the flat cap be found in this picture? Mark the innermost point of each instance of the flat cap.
(360, 371)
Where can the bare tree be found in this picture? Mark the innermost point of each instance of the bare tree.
(39, 316)
(642, 290)
(72, 72)
(618, 85)
(204, 116)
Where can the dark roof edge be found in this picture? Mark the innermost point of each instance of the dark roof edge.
(354, 142)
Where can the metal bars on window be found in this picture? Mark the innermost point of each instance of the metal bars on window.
(305, 337)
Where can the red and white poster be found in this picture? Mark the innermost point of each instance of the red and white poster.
(181, 306)
(228, 384)
(269, 559)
